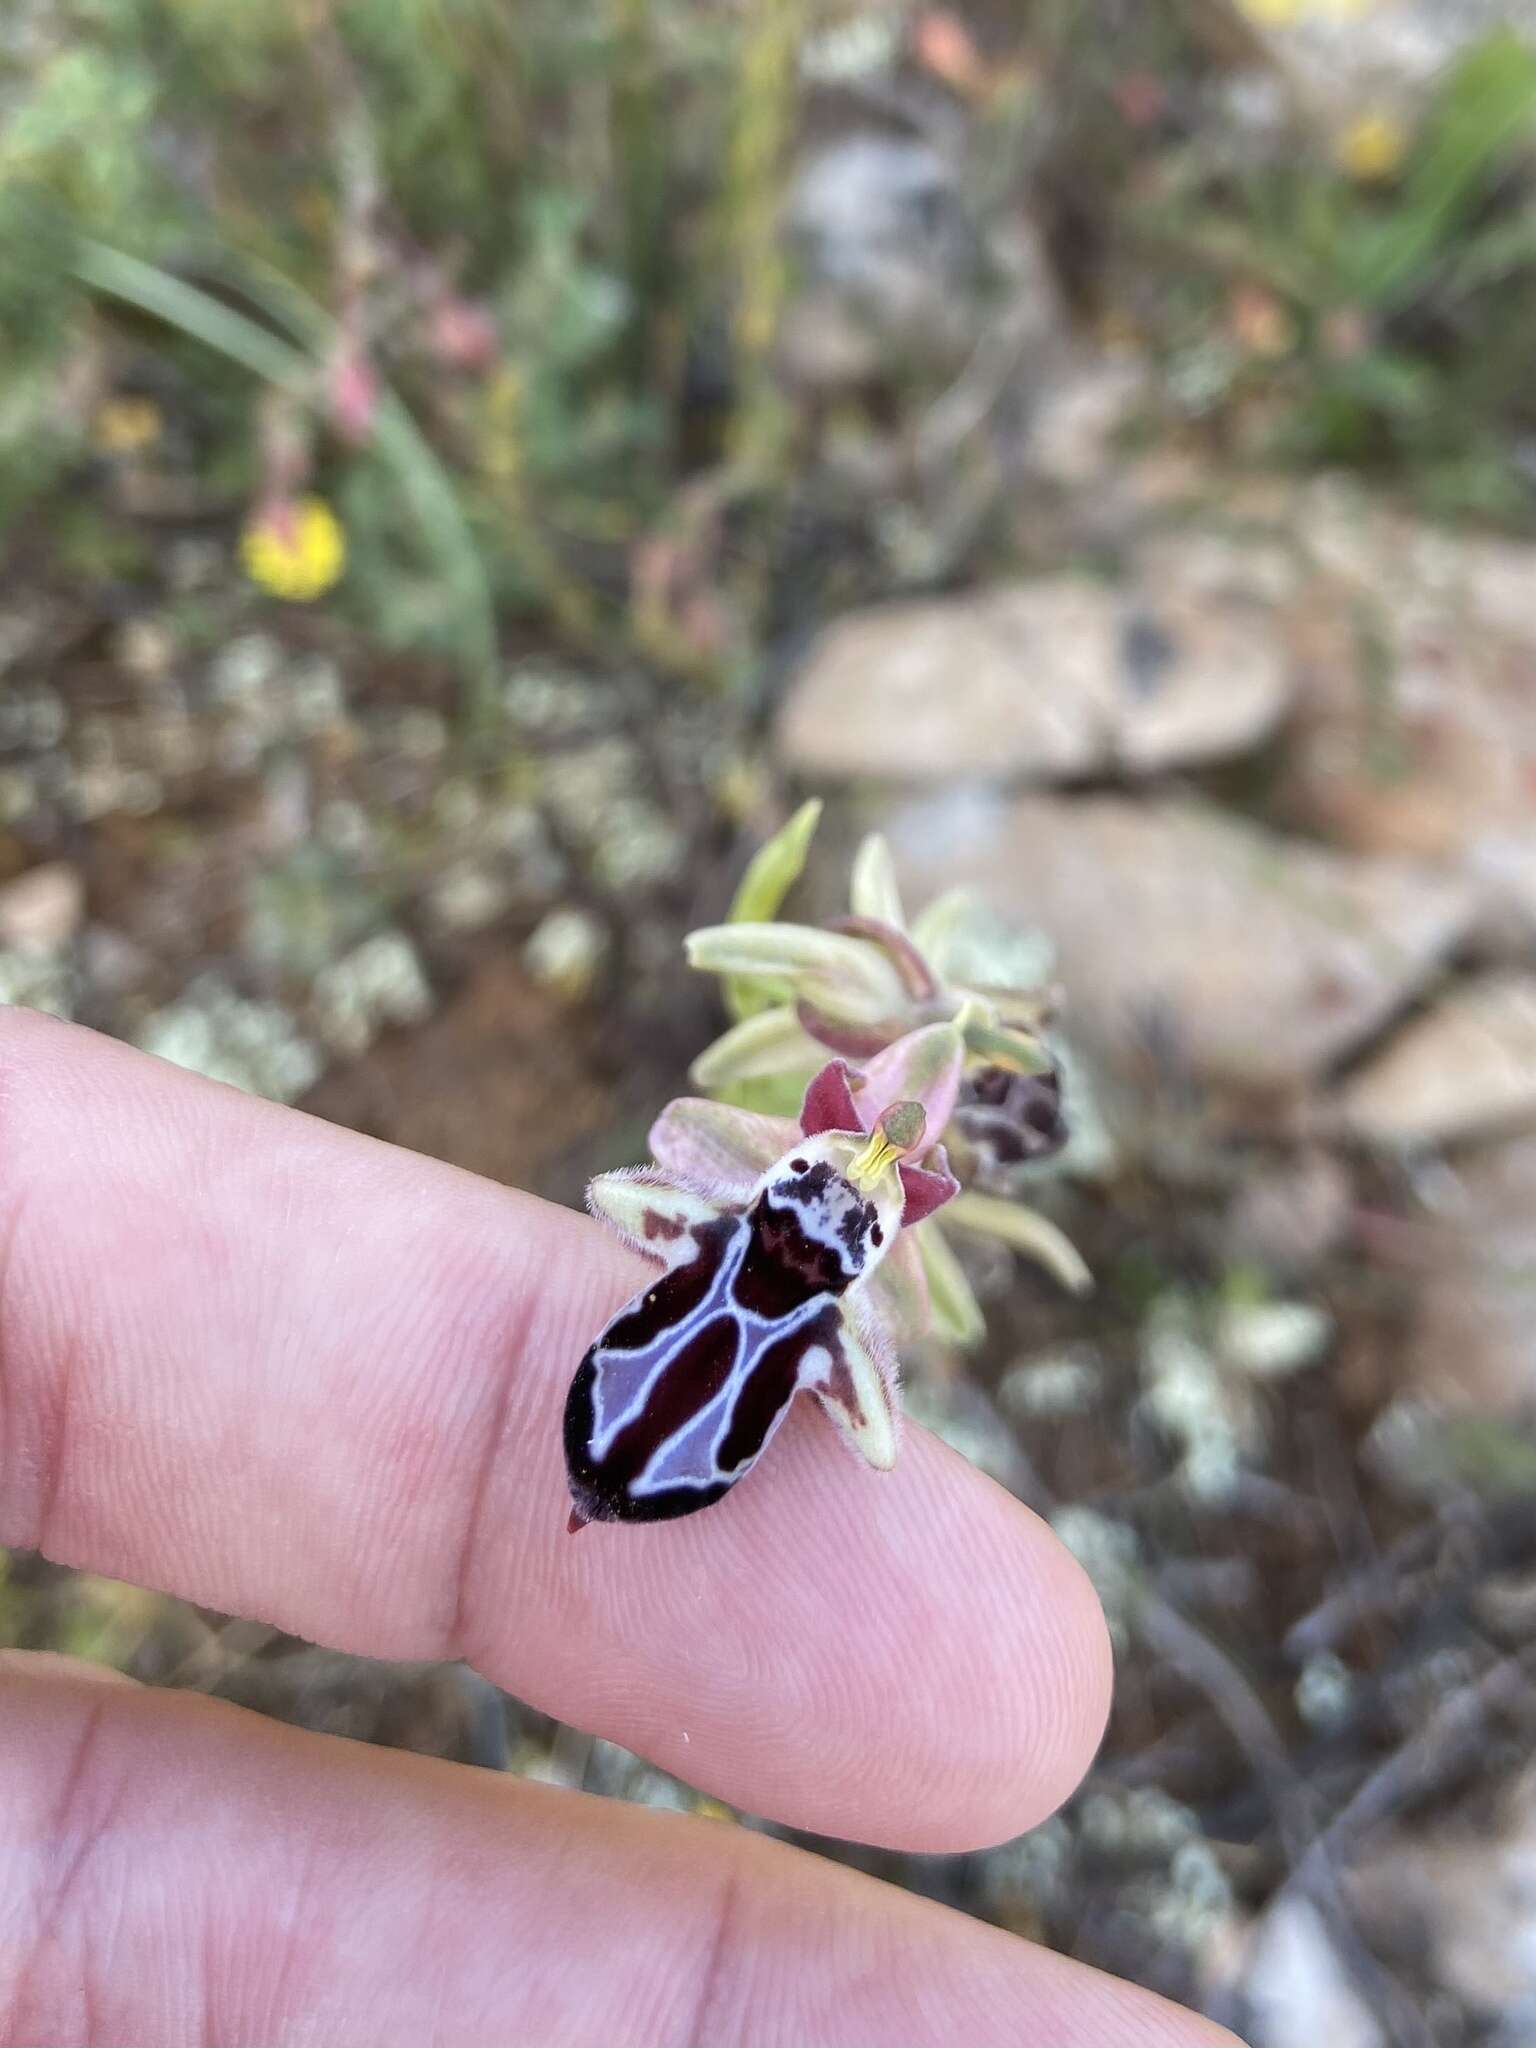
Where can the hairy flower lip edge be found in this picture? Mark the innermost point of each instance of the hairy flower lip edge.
(692, 1137)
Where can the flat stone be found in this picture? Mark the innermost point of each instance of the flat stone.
(1038, 682)
(1457, 1893)
(1298, 1987)
(1466, 1068)
(1288, 1217)
(1471, 1343)
(1192, 947)
(1415, 725)
(41, 911)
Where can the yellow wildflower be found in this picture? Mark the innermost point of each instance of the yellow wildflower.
(297, 550)
(126, 426)
(1372, 149)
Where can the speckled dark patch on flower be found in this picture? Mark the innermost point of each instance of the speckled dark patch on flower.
(1011, 1119)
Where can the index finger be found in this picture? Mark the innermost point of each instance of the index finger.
(297, 1374)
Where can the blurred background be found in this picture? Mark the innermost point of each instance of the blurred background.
(467, 472)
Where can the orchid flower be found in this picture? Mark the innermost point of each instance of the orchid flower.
(774, 1236)
(863, 983)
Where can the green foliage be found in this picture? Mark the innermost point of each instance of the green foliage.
(601, 184)
(584, 439)
(278, 168)
(1485, 112)
(771, 873)
(1403, 296)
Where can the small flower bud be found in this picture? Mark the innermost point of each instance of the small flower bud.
(1009, 1118)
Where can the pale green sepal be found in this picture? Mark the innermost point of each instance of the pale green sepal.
(969, 946)
(899, 1289)
(872, 892)
(771, 873)
(1001, 1047)
(854, 1378)
(772, 1042)
(847, 977)
(937, 921)
(1025, 1230)
(957, 1315)
(654, 1215)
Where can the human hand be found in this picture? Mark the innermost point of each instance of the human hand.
(298, 1375)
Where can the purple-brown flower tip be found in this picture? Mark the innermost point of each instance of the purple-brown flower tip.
(926, 1187)
(916, 975)
(858, 1041)
(829, 1103)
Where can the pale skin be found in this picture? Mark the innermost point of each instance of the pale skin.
(298, 1375)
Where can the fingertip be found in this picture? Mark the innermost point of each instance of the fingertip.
(1064, 1679)
(940, 1655)
(1033, 1686)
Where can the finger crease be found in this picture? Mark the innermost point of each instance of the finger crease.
(460, 1643)
(69, 1819)
(715, 1971)
(15, 1477)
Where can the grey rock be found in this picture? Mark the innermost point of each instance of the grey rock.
(1299, 1988)
(1289, 1216)
(1471, 1344)
(1189, 944)
(1435, 755)
(41, 911)
(1466, 1068)
(1039, 682)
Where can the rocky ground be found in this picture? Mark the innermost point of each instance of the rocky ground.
(1293, 916)
(1248, 757)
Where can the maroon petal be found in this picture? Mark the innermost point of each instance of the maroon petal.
(917, 976)
(858, 1041)
(829, 1104)
(926, 1188)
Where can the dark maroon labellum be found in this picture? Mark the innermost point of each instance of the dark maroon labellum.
(677, 1399)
